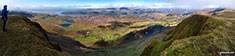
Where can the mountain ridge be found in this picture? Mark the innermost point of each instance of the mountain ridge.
(196, 35)
(26, 38)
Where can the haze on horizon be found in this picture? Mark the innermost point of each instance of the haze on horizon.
(191, 4)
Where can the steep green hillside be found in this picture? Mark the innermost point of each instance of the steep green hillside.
(197, 35)
(26, 38)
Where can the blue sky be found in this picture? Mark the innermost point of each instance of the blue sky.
(84, 2)
(76, 2)
(15, 4)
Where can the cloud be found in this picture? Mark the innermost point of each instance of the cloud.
(17, 5)
(154, 5)
(194, 4)
(199, 4)
(51, 7)
(10, 3)
(5, 2)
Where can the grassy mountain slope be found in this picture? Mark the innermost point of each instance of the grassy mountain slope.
(26, 38)
(134, 47)
(197, 35)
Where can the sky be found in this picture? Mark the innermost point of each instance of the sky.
(203, 3)
(193, 4)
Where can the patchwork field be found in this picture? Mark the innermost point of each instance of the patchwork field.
(102, 30)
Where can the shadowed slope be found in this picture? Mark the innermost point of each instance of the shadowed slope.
(25, 38)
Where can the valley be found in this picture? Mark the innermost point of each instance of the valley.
(101, 29)
(127, 31)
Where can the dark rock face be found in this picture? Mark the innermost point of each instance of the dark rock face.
(146, 32)
(124, 8)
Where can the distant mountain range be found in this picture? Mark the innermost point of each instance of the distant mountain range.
(123, 11)
(126, 11)
(28, 14)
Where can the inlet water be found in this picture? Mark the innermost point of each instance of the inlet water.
(65, 25)
(69, 21)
